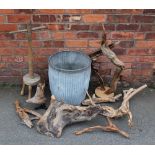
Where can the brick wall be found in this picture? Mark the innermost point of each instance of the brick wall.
(79, 30)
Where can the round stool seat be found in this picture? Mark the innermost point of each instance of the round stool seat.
(31, 81)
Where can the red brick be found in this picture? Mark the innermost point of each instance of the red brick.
(42, 59)
(142, 19)
(21, 65)
(56, 27)
(122, 35)
(24, 11)
(47, 44)
(87, 35)
(150, 36)
(142, 66)
(126, 58)
(149, 11)
(152, 51)
(18, 18)
(58, 35)
(118, 11)
(138, 52)
(103, 11)
(44, 35)
(3, 65)
(58, 44)
(118, 18)
(94, 18)
(145, 59)
(51, 11)
(80, 27)
(76, 43)
(34, 44)
(6, 11)
(8, 59)
(139, 36)
(131, 27)
(42, 65)
(10, 72)
(7, 27)
(102, 59)
(52, 18)
(9, 44)
(41, 18)
(6, 51)
(144, 72)
(23, 36)
(20, 51)
(95, 43)
(126, 44)
(77, 11)
(69, 35)
(96, 27)
(145, 44)
(2, 19)
(130, 11)
(45, 51)
(11, 79)
(54, 44)
(6, 36)
(147, 27)
(119, 51)
(108, 27)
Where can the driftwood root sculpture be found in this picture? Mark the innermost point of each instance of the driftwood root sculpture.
(39, 97)
(110, 112)
(59, 114)
(106, 50)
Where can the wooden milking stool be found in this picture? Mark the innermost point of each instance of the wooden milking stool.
(30, 79)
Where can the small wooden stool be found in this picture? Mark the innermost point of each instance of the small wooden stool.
(29, 81)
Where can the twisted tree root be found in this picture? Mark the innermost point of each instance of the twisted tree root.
(109, 128)
(23, 115)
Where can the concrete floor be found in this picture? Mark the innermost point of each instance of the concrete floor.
(143, 132)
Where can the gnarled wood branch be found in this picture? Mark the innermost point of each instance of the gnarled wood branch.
(97, 100)
(110, 112)
(23, 115)
(109, 128)
(39, 97)
(58, 115)
(124, 108)
(38, 116)
(106, 50)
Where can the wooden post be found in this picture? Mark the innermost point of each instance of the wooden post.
(30, 54)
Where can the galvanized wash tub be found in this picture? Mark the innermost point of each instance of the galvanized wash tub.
(69, 76)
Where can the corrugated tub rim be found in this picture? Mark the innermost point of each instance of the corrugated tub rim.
(60, 69)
